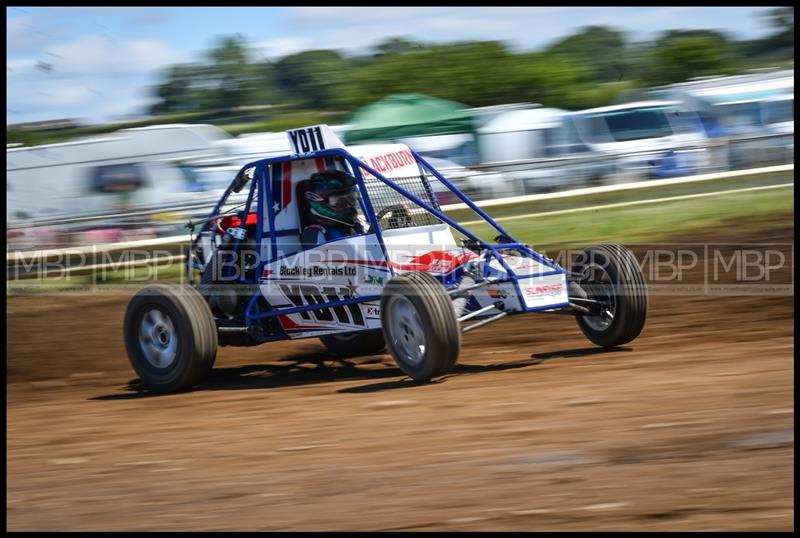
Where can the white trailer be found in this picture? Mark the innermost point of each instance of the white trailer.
(754, 111)
(651, 138)
(128, 169)
(757, 103)
(540, 134)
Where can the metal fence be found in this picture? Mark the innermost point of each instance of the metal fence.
(593, 169)
(107, 258)
(482, 182)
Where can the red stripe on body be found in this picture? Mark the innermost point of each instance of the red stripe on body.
(393, 265)
(287, 323)
(422, 262)
(320, 164)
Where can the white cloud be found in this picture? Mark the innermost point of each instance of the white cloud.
(94, 100)
(92, 77)
(355, 29)
(26, 33)
(279, 47)
(21, 65)
(100, 55)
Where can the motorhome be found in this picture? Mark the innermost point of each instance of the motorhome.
(755, 112)
(777, 113)
(743, 104)
(129, 168)
(651, 138)
(541, 133)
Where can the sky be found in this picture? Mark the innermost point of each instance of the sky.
(101, 64)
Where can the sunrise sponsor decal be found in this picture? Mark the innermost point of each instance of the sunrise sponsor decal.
(547, 289)
(544, 291)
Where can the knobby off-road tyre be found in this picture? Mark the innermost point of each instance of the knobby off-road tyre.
(420, 326)
(355, 344)
(170, 337)
(611, 272)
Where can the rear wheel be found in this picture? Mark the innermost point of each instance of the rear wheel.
(355, 344)
(611, 275)
(420, 325)
(170, 337)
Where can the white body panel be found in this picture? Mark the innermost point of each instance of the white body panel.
(351, 267)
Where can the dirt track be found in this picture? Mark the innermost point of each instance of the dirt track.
(691, 427)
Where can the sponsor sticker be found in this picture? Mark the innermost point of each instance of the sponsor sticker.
(375, 280)
(310, 294)
(544, 291)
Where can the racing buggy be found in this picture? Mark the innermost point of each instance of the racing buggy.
(400, 280)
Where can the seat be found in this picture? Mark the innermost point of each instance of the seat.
(303, 208)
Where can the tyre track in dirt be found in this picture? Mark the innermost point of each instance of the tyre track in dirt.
(689, 427)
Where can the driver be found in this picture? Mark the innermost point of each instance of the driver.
(333, 205)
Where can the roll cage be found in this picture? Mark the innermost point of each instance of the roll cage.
(261, 193)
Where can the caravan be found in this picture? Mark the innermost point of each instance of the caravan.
(540, 133)
(129, 168)
(651, 138)
(739, 105)
(750, 111)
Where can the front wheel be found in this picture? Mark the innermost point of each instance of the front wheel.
(420, 325)
(611, 275)
(170, 337)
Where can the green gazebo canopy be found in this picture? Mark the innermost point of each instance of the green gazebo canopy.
(407, 115)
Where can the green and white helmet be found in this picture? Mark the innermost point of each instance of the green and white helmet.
(332, 196)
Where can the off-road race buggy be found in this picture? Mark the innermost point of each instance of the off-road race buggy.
(405, 283)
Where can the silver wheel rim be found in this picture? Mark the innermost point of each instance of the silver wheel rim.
(597, 276)
(158, 339)
(407, 334)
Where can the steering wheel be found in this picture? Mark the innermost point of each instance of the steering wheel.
(399, 216)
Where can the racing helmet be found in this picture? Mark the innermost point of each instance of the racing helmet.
(332, 196)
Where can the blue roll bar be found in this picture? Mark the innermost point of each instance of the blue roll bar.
(262, 180)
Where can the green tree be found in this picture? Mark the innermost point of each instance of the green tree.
(782, 20)
(776, 48)
(549, 79)
(187, 89)
(313, 78)
(225, 81)
(229, 72)
(475, 73)
(589, 68)
(602, 51)
(396, 45)
(680, 55)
